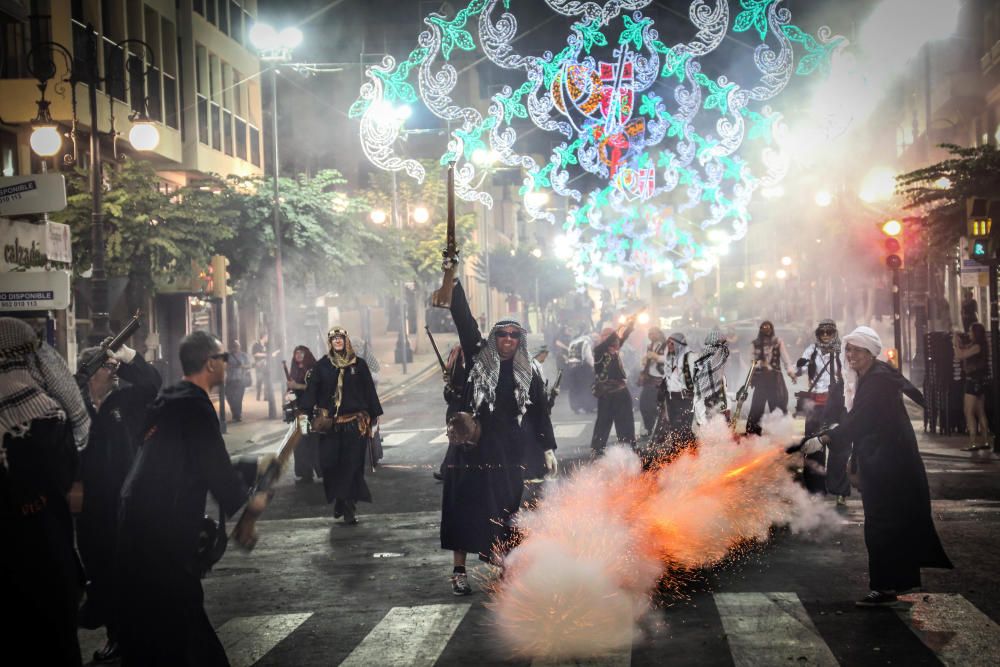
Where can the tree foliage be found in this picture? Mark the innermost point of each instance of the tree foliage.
(971, 172)
(518, 273)
(150, 236)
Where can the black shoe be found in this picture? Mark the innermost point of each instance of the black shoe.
(438, 476)
(350, 519)
(304, 480)
(110, 653)
(877, 599)
(460, 584)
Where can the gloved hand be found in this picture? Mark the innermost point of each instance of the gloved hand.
(551, 463)
(811, 446)
(124, 354)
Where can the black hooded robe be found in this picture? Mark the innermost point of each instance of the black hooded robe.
(342, 449)
(161, 603)
(116, 430)
(483, 484)
(899, 531)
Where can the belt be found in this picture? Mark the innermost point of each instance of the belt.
(682, 394)
(364, 421)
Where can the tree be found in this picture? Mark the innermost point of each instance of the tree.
(519, 273)
(972, 172)
(151, 237)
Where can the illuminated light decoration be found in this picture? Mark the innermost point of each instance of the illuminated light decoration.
(642, 120)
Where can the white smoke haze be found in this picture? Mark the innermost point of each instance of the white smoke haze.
(598, 544)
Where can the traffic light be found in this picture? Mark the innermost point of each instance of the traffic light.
(206, 278)
(219, 270)
(979, 225)
(892, 244)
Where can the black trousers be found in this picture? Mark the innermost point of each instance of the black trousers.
(307, 458)
(680, 415)
(768, 390)
(814, 469)
(234, 396)
(648, 406)
(614, 409)
(342, 460)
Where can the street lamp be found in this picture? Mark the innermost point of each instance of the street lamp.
(275, 47)
(377, 216)
(82, 67)
(421, 215)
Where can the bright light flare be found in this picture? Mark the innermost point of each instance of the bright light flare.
(643, 318)
(761, 274)
(536, 199)
(378, 216)
(45, 140)
(421, 215)
(786, 261)
(892, 228)
(144, 136)
(879, 185)
(823, 198)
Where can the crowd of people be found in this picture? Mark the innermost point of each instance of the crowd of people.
(116, 469)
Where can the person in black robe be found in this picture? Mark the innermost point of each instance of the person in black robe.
(340, 391)
(43, 424)
(181, 460)
(306, 455)
(483, 482)
(455, 375)
(899, 530)
(614, 400)
(580, 374)
(117, 416)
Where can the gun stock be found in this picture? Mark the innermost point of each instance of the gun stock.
(741, 395)
(245, 532)
(441, 298)
(284, 365)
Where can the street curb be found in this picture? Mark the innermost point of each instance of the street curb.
(415, 379)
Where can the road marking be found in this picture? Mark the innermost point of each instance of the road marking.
(952, 627)
(569, 430)
(248, 638)
(390, 423)
(770, 629)
(441, 439)
(397, 438)
(950, 471)
(408, 636)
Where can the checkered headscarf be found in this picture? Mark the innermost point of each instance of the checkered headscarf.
(36, 384)
(485, 373)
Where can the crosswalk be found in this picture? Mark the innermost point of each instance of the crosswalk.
(760, 629)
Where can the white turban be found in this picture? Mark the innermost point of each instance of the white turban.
(866, 339)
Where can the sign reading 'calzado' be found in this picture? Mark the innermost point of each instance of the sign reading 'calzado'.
(37, 193)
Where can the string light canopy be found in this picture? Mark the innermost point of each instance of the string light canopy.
(659, 144)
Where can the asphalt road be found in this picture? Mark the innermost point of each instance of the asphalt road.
(318, 592)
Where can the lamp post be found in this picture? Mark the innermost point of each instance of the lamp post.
(276, 48)
(46, 141)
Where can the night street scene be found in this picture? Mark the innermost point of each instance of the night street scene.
(499, 332)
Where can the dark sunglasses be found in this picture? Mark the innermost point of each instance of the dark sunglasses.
(516, 335)
(110, 365)
(826, 332)
(221, 355)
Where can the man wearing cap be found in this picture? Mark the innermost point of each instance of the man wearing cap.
(899, 530)
(651, 377)
(483, 478)
(117, 415)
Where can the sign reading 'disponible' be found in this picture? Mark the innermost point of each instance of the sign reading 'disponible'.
(975, 274)
(37, 193)
(34, 290)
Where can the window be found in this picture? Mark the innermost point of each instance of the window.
(14, 46)
(224, 17)
(240, 129)
(255, 146)
(210, 14)
(216, 127)
(154, 102)
(235, 21)
(8, 154)
(170, 101)
(202, 120)
(199, 7)
(114, 70)
(227, 132)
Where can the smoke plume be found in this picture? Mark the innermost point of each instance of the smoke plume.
(602, 540)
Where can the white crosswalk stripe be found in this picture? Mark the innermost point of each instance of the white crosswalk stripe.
(440, 439)
(408, 636)
(397, 438)
(770, 629)
(569, 430)
(248, 638)
(952, 627)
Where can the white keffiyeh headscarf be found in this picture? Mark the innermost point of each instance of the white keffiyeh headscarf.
(866, 338)
(485, 373)
(35, 383)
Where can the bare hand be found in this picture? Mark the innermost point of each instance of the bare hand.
(75, 497)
